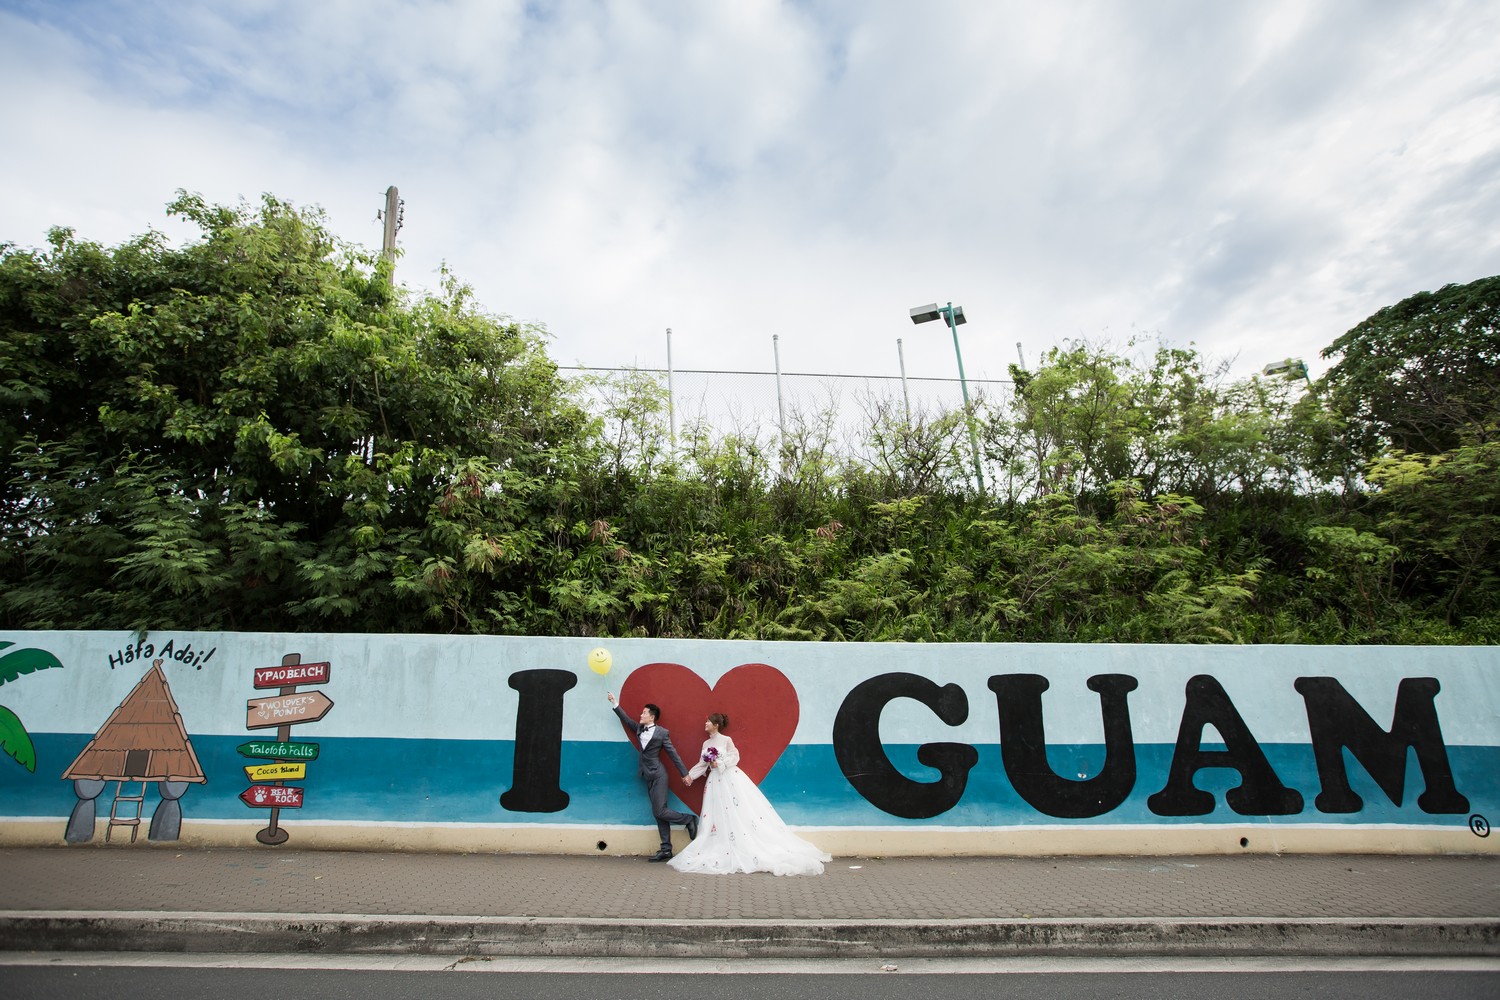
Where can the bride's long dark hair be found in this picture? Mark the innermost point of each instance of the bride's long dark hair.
(720, 720)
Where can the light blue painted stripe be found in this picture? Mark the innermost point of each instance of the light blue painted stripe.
(460, 781)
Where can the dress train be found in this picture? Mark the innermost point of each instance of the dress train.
(739, 830)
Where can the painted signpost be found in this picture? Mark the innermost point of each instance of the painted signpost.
(291, 673)
(279, 771)
(275, 796)
(281, 751)
(287, 708)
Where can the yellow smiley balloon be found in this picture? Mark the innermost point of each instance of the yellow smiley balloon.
(600, 661)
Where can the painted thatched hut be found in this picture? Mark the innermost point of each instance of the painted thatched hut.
(142, 742)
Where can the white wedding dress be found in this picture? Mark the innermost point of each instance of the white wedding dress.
(739, 831)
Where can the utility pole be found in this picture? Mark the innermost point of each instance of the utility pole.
(393, 216)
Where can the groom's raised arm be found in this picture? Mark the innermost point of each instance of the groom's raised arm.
(631, 724)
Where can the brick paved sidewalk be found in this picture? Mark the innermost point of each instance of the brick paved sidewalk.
(158, 879)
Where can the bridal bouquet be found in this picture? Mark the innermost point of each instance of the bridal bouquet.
(710, 754)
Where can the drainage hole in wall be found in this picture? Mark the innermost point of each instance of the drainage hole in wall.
(1244, 841)
(601, 845)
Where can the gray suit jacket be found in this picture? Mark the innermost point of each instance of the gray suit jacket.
(661, 741)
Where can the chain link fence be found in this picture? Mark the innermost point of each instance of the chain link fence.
(767, 407)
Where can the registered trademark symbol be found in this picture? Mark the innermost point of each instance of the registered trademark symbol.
(1479, 825)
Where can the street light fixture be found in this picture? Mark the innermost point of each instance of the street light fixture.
(1297, 368)
(955, 317)
(1291, 367)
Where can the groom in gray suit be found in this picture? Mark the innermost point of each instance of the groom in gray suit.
(652, 739)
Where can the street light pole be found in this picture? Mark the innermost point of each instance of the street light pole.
(963, 383)
(955, 316)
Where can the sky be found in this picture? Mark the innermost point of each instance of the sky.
(1253, 177)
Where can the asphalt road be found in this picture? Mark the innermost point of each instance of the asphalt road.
(466, 980)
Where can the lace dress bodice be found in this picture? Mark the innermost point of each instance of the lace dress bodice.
(728, 757)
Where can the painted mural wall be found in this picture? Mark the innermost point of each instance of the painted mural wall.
(509, 743)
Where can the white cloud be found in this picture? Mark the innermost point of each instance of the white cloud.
(1254, 177)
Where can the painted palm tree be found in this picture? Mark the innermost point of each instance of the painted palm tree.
(14, 739)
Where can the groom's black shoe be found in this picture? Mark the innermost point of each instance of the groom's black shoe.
(662, 855)
(692, 828)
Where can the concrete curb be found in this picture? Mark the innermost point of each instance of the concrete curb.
(355, 934)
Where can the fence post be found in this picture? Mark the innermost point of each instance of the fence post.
(905, 396)
(780, 406)
(671, 393)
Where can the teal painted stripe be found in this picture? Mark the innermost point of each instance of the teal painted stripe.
(444, 781)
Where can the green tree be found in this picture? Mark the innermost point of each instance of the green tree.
(255, 430)
(1422, 375)
(1444, 513)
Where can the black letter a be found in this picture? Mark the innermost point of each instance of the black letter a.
(1260, 792)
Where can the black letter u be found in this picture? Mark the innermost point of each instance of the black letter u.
(1023, 747)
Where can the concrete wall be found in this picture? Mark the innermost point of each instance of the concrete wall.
(508, 744)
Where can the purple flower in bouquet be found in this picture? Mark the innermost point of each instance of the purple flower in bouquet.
(710, 755)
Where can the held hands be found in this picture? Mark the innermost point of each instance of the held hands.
(688, 780)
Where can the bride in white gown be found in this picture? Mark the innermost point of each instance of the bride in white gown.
(739, 830)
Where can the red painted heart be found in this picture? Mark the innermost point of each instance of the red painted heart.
(760, 702)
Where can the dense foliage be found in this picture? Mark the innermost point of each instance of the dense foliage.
(253, 432)
(257, 431)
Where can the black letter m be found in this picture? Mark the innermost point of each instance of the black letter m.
(1337, 721)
